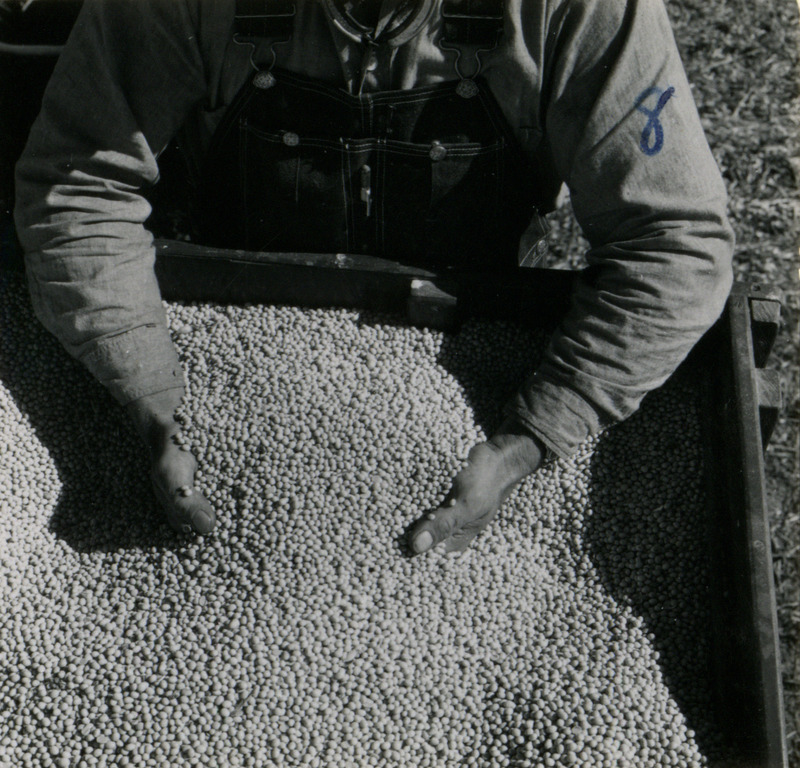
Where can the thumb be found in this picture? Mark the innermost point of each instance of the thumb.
(438, 526)
(186, 512)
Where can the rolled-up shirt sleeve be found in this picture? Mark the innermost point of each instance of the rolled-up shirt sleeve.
(627, 140)
(130, 73)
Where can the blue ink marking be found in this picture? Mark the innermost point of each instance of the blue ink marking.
(653, 130)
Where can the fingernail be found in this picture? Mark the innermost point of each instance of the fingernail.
(203, 522)
(423, 542)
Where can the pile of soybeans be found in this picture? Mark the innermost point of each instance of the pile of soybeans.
(573, 632)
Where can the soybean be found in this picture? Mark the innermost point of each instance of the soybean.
(300, 633)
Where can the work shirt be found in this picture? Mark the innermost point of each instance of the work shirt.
(594, 86)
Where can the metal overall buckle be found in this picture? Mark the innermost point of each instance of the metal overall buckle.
(257, 20)
(470, 27)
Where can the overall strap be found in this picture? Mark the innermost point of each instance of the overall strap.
(264, 19)
(477, 23)
(471, 27)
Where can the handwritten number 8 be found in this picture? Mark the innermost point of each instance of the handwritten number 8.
(653, 133)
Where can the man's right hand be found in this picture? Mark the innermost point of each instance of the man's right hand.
(172, 468)
(493, 470)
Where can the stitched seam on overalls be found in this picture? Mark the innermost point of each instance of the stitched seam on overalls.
(421, 150)
(419, 99)
(347, 207)
(277, 138)
(434, 91)
(296, 182)
(497, 184)
(438, 91)
(332, 93)
(443, 90)
(381, 225)
(334, 144)
(500, 125)
(489, 111)
(231, 119)
(395, 146)
(242, 160)
(349, 202)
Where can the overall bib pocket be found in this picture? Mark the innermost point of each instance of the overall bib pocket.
(293, 191)
(439, 200)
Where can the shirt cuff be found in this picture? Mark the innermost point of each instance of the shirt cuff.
(555, 414)
(135, 363)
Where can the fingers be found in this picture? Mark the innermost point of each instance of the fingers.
(478, 490)
(441, 525)
(460, 540)
(172, 473)
(202, 517)
(186, 510)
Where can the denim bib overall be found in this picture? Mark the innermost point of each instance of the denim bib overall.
(430, 176)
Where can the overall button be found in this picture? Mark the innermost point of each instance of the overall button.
(437, 152)
(466, 89)
(290, 139)
(264, 80)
